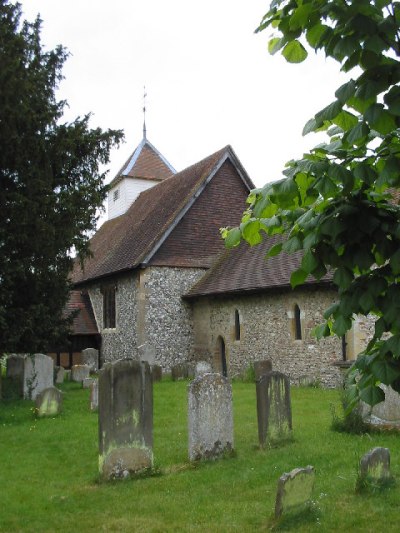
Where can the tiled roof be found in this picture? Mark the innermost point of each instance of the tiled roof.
(146, 162)
(84, 323)
(125, 242)
(244, 269)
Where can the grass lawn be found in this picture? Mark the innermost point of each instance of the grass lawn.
(49, 480)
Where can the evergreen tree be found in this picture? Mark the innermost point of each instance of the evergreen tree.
(51, 186)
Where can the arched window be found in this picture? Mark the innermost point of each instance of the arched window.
(222, 355)
(237, 325)
(297, 323)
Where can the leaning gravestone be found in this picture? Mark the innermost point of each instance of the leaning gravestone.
(261, 368)
(79, 373)
(210, 417)
(180, 371)
(90, 357)
(48, 402)
(94, 395)
(375, 465)
(274, 411)
(384, 414)
(201, 368)
(294, 490)
(125, 418)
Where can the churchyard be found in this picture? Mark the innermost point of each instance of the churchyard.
(50, 481)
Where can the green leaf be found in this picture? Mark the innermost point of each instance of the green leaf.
(292, 245)
(385, 371)
(379, 119)
(274, 250)
(311, 125)
(298, 277)
(343, 277)
(251, 232)
(346, 91)
(358, 133)
(300, 16)
(309, 262)
(275, 44)
(345, 120)
(232, 238)
(331, 310)
(341, 325)
(294, 52)
(393, 344)
(372, 395)
(395, 262)
(323, 330)
(315, 33)
(365, 172)
(329, 112)
(326, 187)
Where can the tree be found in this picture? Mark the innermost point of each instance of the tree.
(51, 186)
(338, 204)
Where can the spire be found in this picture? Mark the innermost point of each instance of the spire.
(144, 111)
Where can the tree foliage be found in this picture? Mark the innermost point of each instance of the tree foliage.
(51, 186)
(339, 203)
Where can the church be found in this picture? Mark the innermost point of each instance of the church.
(160, 286)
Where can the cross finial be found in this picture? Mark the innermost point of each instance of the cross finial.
(144, 111)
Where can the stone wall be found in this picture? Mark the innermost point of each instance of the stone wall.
(268, 331)
(169, 322)
(121, 341)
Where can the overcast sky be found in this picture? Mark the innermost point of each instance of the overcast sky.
(210, 80)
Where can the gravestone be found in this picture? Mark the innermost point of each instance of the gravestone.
(38, 374)
(59, 374)
(210, 417)
(156, 372)
(125, 418)
(94, 395)
(384, 414)
(375, 465)
(48, 402)
(79, 373)
(201, 368)
(180, 371)
(261, 368)
(15, 366)
(87, 382)
(274, 410)
(294, 490)
(90, 357)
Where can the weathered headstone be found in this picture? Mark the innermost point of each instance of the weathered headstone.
(87, 382)
(38, 374)
(384, 414)
(59, 374)
(79, 373)
(156, 372)
(67, 374)
(375, 465)
(201, 368)
(274, 411)
(15, 366)
(48, 402)
(125, 418)
(294, 490)
(210, 417)
(90, 357)
(94, 395)
(261, 368)
(180, 371)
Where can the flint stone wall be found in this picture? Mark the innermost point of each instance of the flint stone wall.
(267, 332)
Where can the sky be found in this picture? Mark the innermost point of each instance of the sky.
(209, 79)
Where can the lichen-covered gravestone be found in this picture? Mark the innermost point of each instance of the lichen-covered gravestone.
(375, 466)
(79, 373)
(125, 418)
(384, 414)
(294, 490)
(180, 371)
(90, 357)
(274, 411)
(261, 368)
(94, 395)
(210, 417)
(30, 373)
(201, 368)
(48, 402)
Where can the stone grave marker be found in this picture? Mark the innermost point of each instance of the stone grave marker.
(79, 373)
(156, 372)
(375, 465)
(87, 382)
(261, 368)
(180, 371)
(201, 368)
(274, 411)
(94, 395)
(125, 418)
(15, 366)
(90, 357)
(384, 414)
(48, 402)
(210, 417)
(59, 374)
(294, 490)
(38, 374)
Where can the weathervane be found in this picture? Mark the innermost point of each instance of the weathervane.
(144, 111)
